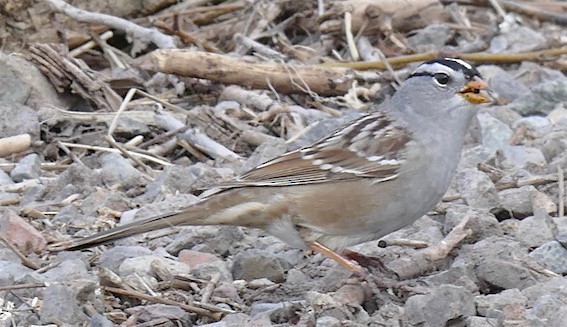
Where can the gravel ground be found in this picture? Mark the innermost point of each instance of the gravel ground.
(509, 190)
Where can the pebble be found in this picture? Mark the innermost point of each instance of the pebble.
(28, 167)
(551, 255)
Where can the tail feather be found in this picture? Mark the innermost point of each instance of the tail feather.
(226, 208)
(130, 229)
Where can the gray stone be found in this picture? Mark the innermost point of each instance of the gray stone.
(535, 230)
(180, 179)
(209, 269)
(18, 119)
(113, 257)
(551, 255)
(29, 77)
(116, 170)
(149, 312)
(143, 265)
(445, 303)
(506, 85)
(493, 305)
(532, 74)
(5, 178)
(521, 156)
(98, 320)
(60, 305)
(542, 99)
(459, 273)
(495, 261)
(433, 36)
(482, 223)
(495, 134)
(559, 318)
(13, 90)
(481, 322)
(553, 285)
(517, 38)
(517, 201)
(547, 307)
(10, 270)
(477, 189)
(265, 152)
(254, 264)
(28, 167)
(81, 178)
(69, 269)
(328, 321)
(560, 224)
(504, 274)
(214, 239)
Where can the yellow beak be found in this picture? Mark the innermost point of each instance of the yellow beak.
(476, 91)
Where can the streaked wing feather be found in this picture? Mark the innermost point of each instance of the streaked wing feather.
(370, 147)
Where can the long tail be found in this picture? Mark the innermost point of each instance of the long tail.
(227, 208)
(133, 228)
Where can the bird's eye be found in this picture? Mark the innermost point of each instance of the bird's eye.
(442, 79)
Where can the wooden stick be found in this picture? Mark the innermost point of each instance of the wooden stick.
(14, 144)
(228, 70)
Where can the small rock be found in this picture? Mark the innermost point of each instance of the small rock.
(260, 283)
(482, 223)
(72, 267)
(328, 321)
(516, 38)
(548, 306)
(28, 167)
(517, 200)
(553, 285)
(495, 134)
(551, 255)
(504, 274)
(216, 238)
(18, 119)
(492, 305)
(10, 270)
(542, 99)
(180, 179)
(20, 233)
(5, 178)
(60, 305)
(431, 37)
(520, 156)
(510, 226)
(153, 311)
(195, 258)
(113, 257)
(98, 320)
(535, 230)
(13, 90)
(41, 91)
(351, 295)
(143, 265)
(116, 170)
(477, 189)
(445, 303)
(209, 269)
(481, 322)
(254, 264)
(296, 278)
(227, 290)
(506, 85)
(460, 273)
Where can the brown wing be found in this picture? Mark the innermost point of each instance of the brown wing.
(369, 147)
